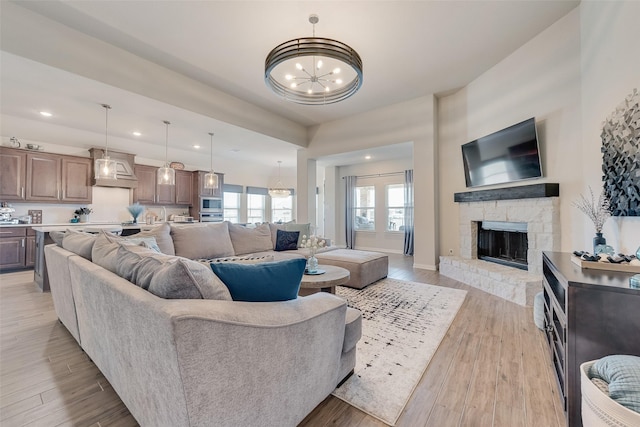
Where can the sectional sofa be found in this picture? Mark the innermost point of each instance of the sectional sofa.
(205, 359)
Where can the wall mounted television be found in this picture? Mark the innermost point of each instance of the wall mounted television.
(509, 155)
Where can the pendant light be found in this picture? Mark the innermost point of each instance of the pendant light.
(166, 175)
(105, 168)
(279, 191)
(211, 179)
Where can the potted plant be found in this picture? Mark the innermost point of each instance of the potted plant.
(83, 213)
(598, 212)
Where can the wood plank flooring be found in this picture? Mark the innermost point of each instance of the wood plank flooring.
(491, 369)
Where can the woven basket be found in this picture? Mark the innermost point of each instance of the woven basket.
(598, 409)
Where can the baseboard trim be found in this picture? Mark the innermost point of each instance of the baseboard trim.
(388, 251)
(426, 266)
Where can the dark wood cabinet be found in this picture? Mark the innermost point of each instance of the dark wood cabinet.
(184, 188)
(13, 164)
(589, 314)
(76, 179)
(149, 192)
(17, 248)
(44, 177)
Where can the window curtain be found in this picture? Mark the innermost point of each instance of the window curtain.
(350, 182)
(408, 212)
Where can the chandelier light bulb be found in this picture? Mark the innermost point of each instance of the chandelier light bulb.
(288, 77)
(294, 84)
(326, 89)
(309, 91)
(336, 70)
(319, 65)
(339, 81)
(298, 66)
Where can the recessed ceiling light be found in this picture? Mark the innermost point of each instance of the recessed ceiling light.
(46, 113)
(235, 150)
(367, 157)
(196, 146)
(136, 133)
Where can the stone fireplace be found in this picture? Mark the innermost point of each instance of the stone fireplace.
(534, 209)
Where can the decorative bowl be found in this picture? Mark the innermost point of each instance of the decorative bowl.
(176, 165)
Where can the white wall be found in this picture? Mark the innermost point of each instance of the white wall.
(378, 239)
(610, 66)
(542, 80)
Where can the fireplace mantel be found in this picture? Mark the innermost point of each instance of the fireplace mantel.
(509, 193)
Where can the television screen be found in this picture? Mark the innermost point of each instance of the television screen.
(505, 156)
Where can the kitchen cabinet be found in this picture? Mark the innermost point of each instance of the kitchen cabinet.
(149, 192)
(44, 177)
(13, 164)
(184, 188)
(209, 192)
(17, 248)
(589, 314)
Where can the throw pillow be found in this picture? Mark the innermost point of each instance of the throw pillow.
(186, 279)
(202, 241)
(248, 240)
(131, 265)
(147, 242)
(622, 372)
(79, 243)
(269, 281)
(304, 229)
(105, 249)
(247, 259)
(162, 234)
(287, 240)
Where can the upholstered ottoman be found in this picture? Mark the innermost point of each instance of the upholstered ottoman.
(365, 267)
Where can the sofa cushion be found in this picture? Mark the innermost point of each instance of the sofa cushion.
(105, 249)
(79, 243)
(274, 233)
(287, 240)
(132, 265)
(186, 279)
(162, 234)
(247, 240)
(57, 237)
(202, 241)
(269, 281)
(622, 372)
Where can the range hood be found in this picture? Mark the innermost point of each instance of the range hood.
(124, 169)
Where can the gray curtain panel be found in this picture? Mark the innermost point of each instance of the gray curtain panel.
(350, 183)
(408, 212)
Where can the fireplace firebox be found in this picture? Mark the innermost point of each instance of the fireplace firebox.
(504, 243)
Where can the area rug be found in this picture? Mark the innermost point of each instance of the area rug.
(402, 326)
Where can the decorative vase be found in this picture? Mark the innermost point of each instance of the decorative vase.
(598, 240)
(312, 264)
(135, 220)
(84, 218)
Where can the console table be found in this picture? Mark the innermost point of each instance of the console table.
(589, 314)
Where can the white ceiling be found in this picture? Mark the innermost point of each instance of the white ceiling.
(409, 49)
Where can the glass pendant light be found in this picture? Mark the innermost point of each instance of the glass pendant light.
(105, 168)
(210, 178)
(166, 175)
(279, 191)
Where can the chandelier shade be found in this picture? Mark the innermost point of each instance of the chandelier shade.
(279, 191)
(313, 70)
(166, 175)
(105, 168)
(210, 178)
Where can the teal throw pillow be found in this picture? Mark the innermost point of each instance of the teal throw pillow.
(269, 281)
(622, 372)
(287, 240)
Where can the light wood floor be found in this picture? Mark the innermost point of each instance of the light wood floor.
(491, 369)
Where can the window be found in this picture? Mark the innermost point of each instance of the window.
(395, 207)
(365, 205)
(232, 207)
(281, 209)
(255, 208)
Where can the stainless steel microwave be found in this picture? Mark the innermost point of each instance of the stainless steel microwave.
(211, 217)
(210, 204)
